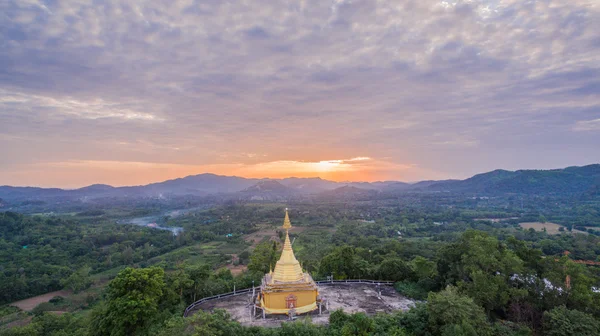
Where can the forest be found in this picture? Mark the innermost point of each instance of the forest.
(468, 263)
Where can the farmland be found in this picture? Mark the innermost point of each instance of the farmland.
(551, 228)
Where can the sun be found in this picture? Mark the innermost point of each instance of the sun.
(327, 166)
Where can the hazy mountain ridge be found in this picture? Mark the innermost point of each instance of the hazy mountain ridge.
(268, 190)
(349, 192)
(310, 184)
(567, 180)
(585, 179)
(269, 186)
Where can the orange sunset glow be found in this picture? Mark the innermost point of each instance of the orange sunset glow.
(124, 94)
(74, 174)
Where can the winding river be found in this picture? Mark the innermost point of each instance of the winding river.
(152, 222)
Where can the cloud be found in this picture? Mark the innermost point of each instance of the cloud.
(202, 82)
(587, 125)
(91, 109)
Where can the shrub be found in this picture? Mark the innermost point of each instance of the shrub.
(42, 308)
(57, 300)
(411, 290)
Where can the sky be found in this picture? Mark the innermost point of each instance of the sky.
(132, 92)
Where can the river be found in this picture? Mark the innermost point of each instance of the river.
(151, 222)
(157, 221)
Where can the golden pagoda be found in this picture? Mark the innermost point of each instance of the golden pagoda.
(287, 289)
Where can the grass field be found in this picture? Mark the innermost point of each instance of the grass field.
(551, 228)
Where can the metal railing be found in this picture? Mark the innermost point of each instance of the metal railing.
(248, 290)
(373, 282)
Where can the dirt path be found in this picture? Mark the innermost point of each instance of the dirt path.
(29, 304)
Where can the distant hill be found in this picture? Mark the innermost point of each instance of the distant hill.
(423, 185)
(371, 185)
(349, 192)
(399, 186)
(309, 185)
(200, 185)
(269, 186)
(568, 180)
(203, 184)
(8, 192)
(269, 190)
(97, 187)
(573, 180)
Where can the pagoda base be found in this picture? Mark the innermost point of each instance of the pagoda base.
(286, 311)
(293, 298)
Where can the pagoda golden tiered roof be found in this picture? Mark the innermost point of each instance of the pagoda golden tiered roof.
(288, 268)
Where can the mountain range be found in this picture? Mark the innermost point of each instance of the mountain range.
(585, 179)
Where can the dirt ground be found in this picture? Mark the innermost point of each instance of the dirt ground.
(18, 323)
(256, 237)
(235, 270)
(29, 304)
(352, 298)
(495, 220)
(551, 228)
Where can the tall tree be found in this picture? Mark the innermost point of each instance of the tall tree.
(561, 321)
(198, 274)
(78, 280)
(482, 267)
(344, 263)
(451, 313)
(264, 257)
(132, 301)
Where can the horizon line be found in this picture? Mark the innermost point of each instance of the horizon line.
(283, 178)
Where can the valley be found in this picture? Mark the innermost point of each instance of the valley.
(61, 258)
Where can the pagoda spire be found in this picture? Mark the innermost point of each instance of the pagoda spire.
(287, 268)
(286, 222)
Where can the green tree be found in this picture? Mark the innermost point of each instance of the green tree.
(128, 255)
(451, 313)
(482, 267)
(217, 323)
(561, 321)
(394, 269)
(423, 268)
(198, 274)
(244, 257)
(264, 257)
(49, 325)
(344, 263)
(133, 299)
(180, 281)
(78, 280)
(415, 321)
(358, 324)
